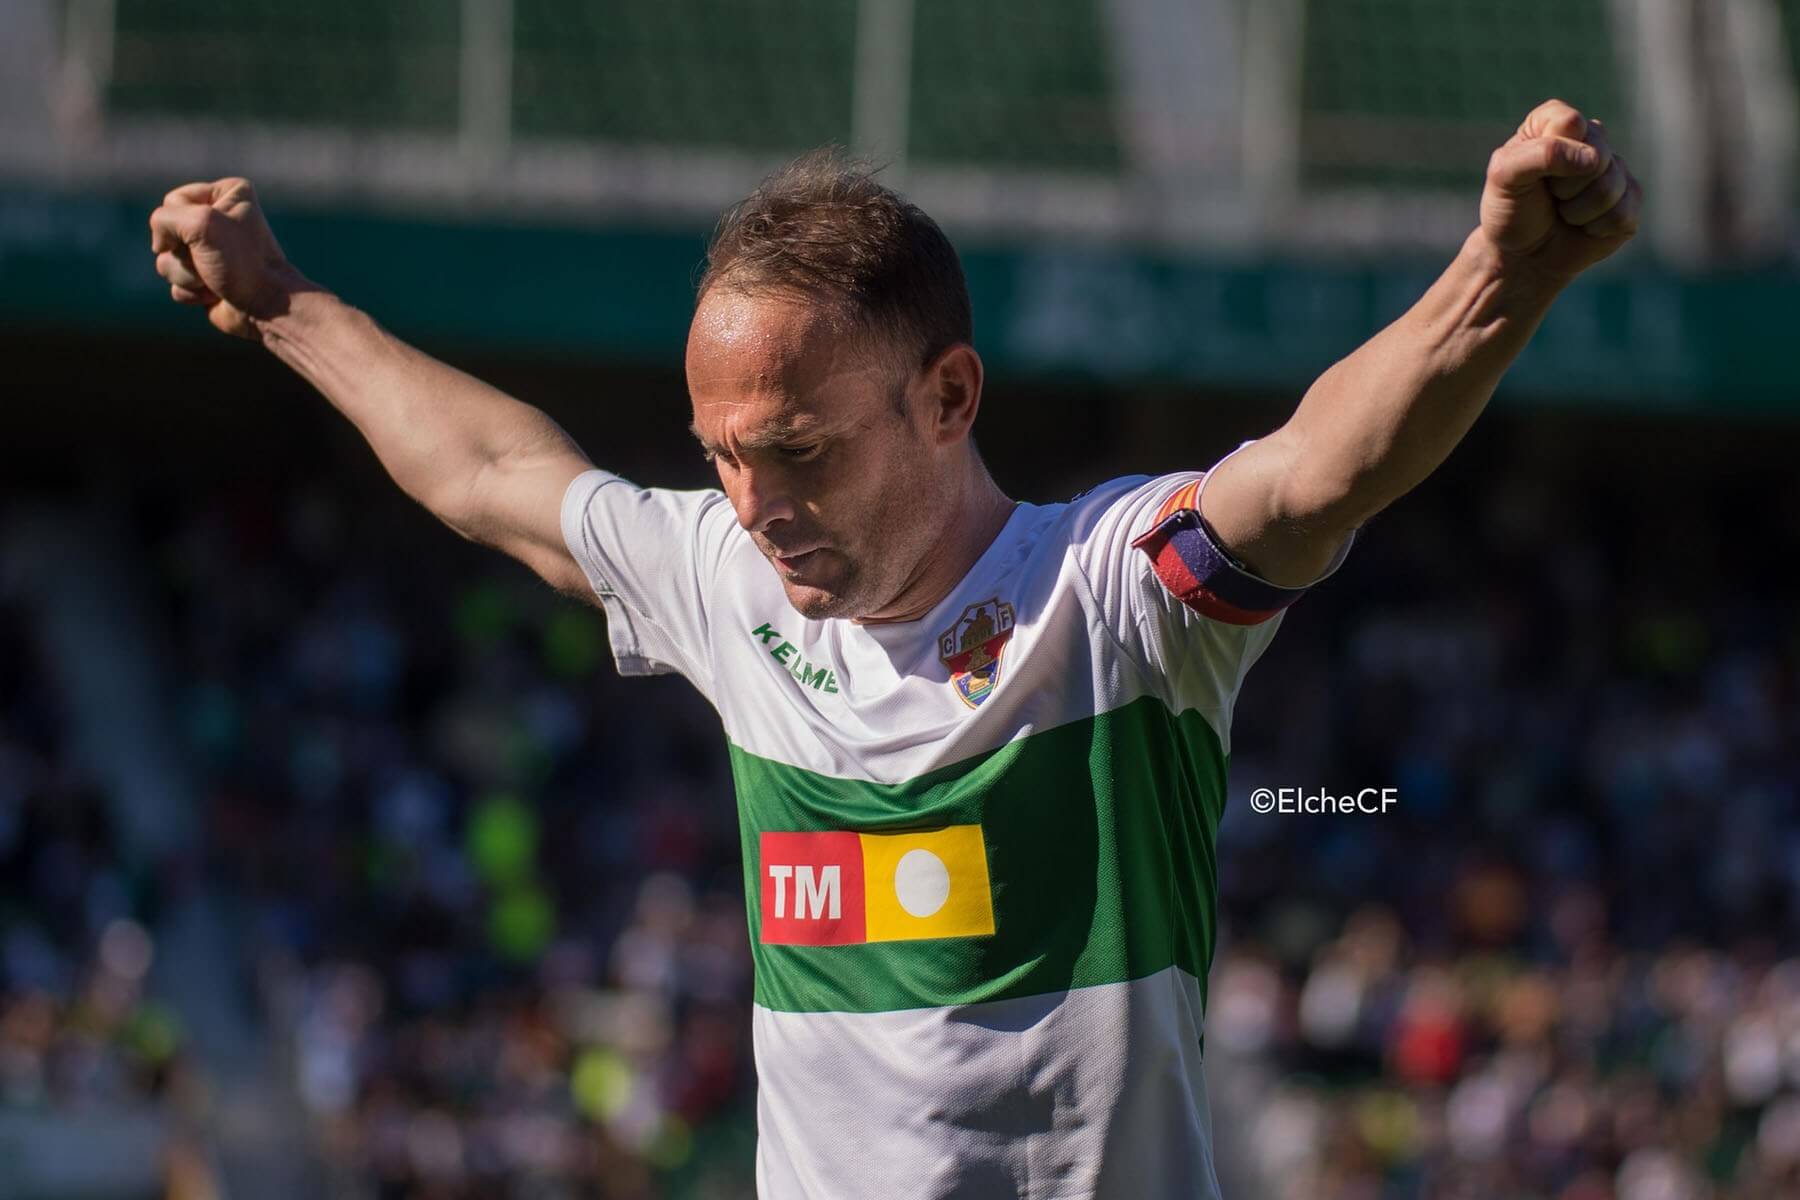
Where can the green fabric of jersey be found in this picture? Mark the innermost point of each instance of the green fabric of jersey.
(1100, 838)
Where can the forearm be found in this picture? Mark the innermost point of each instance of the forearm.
(1377, 423)
(434, 428)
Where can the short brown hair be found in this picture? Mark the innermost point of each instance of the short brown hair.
(822, 227)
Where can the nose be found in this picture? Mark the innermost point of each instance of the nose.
(760, 500)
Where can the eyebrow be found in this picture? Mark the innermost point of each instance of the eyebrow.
(770, 434)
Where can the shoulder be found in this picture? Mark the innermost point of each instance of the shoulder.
(1127, 505)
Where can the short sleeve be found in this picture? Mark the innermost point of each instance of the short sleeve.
(650, 555)
(1195, 619)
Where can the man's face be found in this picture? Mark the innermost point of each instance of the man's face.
(818, 446)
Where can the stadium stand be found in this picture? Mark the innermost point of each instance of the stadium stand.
(1352, 126)
(765, 75)
(491, 897)
(1015, 84)
(389, 65)
(92, 1068)
(490, 890)
(1409, 93)
(1011, 82)
(1563, 965)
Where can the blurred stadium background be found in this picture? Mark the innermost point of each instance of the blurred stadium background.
(335, 860)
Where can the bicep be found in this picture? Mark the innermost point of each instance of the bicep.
(514, 505)
(1257, 501)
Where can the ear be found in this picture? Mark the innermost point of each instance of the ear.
(952, 385)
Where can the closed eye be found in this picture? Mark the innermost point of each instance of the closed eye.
(803, 453)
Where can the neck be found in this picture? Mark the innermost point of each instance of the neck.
(977, 519)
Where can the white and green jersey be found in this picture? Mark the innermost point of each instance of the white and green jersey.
(979, 848)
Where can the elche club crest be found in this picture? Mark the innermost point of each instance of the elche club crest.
(971, 649)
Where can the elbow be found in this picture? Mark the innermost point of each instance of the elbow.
(457, 503)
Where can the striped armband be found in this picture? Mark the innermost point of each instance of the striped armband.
(1189, 561)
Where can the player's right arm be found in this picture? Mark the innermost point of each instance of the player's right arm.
(491, 467)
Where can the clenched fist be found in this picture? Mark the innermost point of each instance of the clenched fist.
(1558, 200)
(215, 249)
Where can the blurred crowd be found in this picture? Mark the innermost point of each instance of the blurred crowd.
(1566, 962)
(78, 1035)
(1582, 1071)
(493, 900)
(492, 889)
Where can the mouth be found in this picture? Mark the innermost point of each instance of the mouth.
(794, 564)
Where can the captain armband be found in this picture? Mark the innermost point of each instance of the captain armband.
(1202, 574)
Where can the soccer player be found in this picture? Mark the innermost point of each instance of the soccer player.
(979, 745)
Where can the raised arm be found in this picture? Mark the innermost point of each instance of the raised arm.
(490, 467)
(1557, 201)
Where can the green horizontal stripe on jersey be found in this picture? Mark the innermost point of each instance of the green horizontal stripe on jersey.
(1100, 839)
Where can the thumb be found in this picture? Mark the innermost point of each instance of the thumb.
(227, 317)
(1520, 165)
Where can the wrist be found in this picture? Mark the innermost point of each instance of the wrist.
(292, 308)
(1516, 278)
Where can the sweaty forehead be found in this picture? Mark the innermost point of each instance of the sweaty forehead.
(774, 355)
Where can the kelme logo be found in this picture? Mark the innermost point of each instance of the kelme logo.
(810, 674)
(843, 889)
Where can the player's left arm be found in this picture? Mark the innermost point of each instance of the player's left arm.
(1557, 201)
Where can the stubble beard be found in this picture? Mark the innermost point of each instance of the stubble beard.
(844, 594)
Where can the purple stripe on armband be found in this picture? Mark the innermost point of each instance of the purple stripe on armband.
(1193, 567)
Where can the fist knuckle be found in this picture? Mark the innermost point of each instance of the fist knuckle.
(1562, 114)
